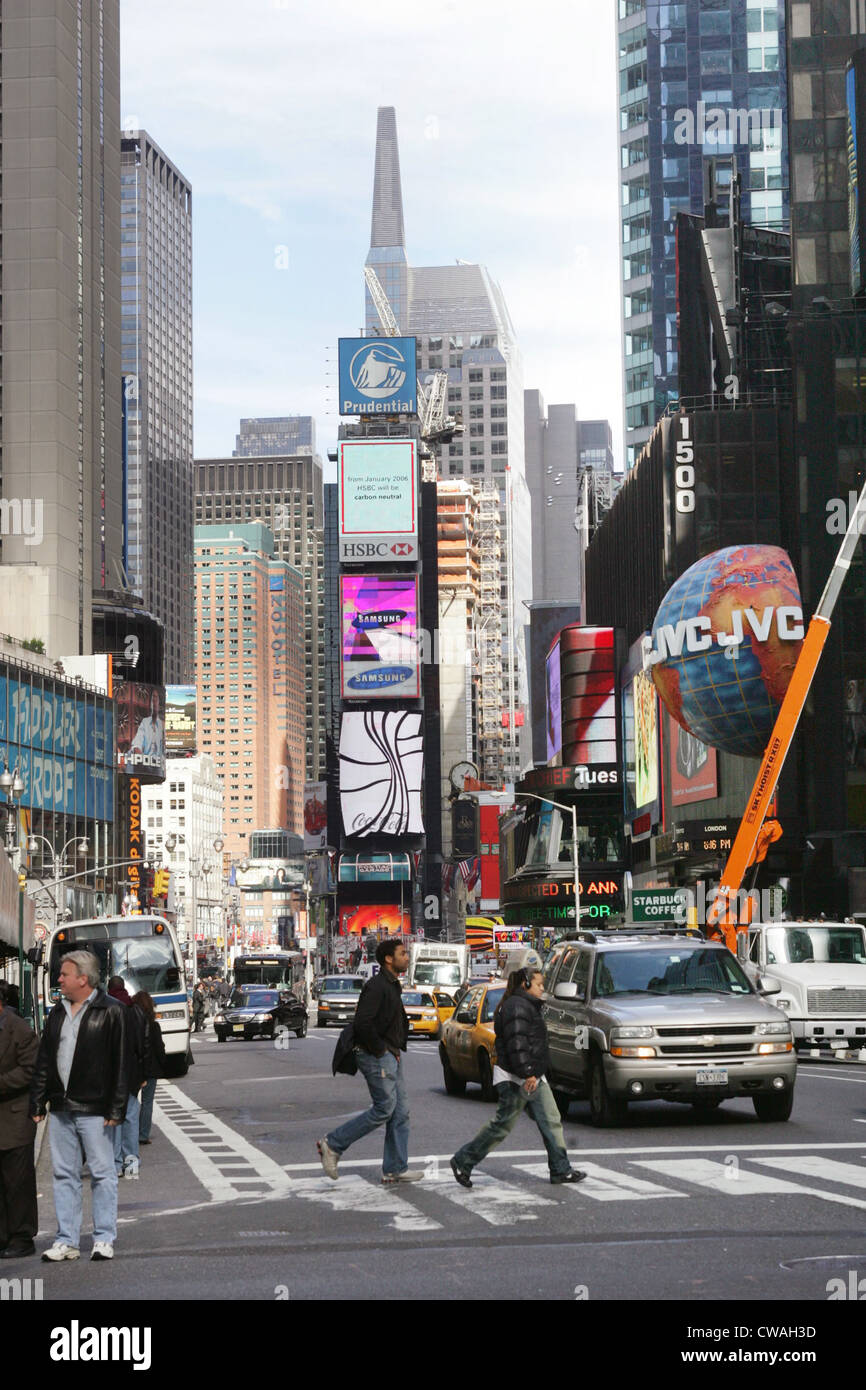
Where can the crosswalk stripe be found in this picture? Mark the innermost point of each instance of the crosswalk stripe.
(733, 1180)
(496, 1202)
(352, 1193)
(188, 1128)
(605, 1184)
(816, 1166)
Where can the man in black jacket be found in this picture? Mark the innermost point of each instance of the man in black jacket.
(519, 1076)
(19, 1219)
(381, 1033)
(81, 1072)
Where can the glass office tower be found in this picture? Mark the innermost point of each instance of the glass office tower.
(701, 84)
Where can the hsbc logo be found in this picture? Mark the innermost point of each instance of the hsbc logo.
(360, 552)
(401, 548)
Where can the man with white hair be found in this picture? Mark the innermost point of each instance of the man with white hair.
(81, 1072)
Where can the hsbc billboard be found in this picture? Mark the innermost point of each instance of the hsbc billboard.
(378, 501)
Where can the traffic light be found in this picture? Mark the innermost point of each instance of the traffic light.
(161, 879)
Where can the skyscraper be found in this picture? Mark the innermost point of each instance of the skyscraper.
(156, 270)
(460, 319)
(61, 430)
(698, 82)
(287, 434)
(285, 495)
(249, 678)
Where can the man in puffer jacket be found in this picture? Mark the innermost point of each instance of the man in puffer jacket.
(521, 1061)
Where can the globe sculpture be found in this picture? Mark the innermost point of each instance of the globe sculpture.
(728, 693)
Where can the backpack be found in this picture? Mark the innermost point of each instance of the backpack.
(344, 1059)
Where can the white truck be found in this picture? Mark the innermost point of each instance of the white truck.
(438, 963)
(821, 971)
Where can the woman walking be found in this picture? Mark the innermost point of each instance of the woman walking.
(521, 1062)
(154, 1062)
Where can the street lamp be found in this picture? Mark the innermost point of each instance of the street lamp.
(195, 858)
(58, 866)
(547, 801)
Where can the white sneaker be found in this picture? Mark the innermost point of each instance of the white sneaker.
(329, 1158)
(408, 1175)
(102, 1250)
(61, 1251)
(131, 1167)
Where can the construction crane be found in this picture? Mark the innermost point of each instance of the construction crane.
(437, 426)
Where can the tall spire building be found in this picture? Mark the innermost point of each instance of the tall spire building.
(461, 322)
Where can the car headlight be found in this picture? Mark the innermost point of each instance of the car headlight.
(620, 1033)
(323, 1005)
(429, 1017)
(786, 1046)
(219, 1018)
(263, 1018)
(632, 1052)
(774, 1028)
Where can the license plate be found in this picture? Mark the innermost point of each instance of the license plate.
(712, 1076)
(341, 1015)
(238, 1028)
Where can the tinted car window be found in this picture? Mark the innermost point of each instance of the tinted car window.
(342, 984)
(468, 1007)
(491, 1000)
(669, 970)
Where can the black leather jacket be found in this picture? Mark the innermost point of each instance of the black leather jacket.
(98, 1080)
(521, 1036)
(381, 1024)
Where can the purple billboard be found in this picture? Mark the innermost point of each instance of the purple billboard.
(379, 650)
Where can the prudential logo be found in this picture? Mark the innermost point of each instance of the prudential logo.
(377, 370)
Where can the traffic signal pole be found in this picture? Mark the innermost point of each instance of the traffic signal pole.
(722, 913)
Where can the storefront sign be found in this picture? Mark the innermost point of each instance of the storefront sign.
(658, 904)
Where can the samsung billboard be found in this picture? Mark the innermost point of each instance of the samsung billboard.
(378, 376)
(378, 489)
(379, 653)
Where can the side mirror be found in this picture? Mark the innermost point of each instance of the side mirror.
(766, 986)
(742, 947)
(567, 990)
(172, 976)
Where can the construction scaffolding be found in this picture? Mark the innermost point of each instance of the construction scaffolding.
(489, 635)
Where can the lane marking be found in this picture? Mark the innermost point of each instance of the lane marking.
(605, 1184)
(816, 1166)
(826, 1076)
(719, 1178)
(297, 1076)
(170, 1110)
(496, 1202)
(355, 1194)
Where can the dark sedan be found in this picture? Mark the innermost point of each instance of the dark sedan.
(260, 1012)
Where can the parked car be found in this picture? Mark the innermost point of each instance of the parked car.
(427, 1010)
(662, 1016)
(820, 968)
(467, 1050)
(260, 1012)
(338, 998)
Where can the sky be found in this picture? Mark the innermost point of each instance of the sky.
(507, 124)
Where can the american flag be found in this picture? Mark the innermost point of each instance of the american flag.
(447, 877)
(470, 870)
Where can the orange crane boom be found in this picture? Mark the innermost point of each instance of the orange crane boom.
(723, 913)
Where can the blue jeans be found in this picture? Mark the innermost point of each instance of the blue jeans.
(145, 1119)
(384, 1077)
(68, 1134)
(126, 1135)
(512, 1101)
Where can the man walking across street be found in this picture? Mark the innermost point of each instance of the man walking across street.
(81, 1072)
(19, 1220)
(381, 1032)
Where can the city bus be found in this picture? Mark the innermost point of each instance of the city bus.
(276, 969)
(144, 952)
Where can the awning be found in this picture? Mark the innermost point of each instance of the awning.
(374, 868)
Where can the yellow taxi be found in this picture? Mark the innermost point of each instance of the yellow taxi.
(427, 1010)
(467, 1049)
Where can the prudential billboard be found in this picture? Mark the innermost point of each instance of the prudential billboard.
(378, 376)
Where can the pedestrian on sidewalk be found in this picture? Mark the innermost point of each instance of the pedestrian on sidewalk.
(19, 1218)
(81, 1072)
(519, 1078)
(153, 1063)
(198, 1007)
(381, 1031)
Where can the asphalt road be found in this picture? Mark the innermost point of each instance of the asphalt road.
(232, 1202)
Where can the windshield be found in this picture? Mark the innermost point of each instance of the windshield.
(413, 999)
(343, 984)
(668, 970)
(438, 972)
(801, 945)
(258, 974)
(142, 962)
(255, 998)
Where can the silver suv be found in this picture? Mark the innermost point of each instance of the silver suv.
(662, 1016)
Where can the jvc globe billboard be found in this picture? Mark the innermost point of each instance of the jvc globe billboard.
(378, 376)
